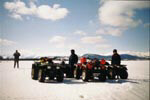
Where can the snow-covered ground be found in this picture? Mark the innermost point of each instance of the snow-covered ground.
(16, 84)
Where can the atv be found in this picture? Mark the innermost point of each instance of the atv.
(91, 69)
(114, 71)
(46, 68)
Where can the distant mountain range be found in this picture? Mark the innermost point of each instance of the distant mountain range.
(123, 57)
(88, 55)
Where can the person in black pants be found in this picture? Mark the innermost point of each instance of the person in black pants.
(73, 59)
(16, 58)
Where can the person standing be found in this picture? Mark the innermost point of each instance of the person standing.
(73, 59)
(116, 59)
(16, 58)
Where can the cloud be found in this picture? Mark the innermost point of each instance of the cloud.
(121, 13)
(103, 46)
(92, 39)
(16, 16)
(6, 42)
(19, 9)
(110, 31)
(55, 13)
(80, 32)
(58, 41)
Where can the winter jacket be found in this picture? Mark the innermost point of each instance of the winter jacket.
(73, 59)
(116, 60)
(16, 55)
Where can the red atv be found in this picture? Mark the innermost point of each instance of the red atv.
(91, 69)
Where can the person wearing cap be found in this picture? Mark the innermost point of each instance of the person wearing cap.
(116, 60)
(73, 59)
(16, 58)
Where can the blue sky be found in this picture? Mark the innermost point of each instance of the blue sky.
(53, 27)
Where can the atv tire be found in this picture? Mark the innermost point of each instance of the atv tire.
(34, 72)
(60, 76)
(85, 76)
(102, 78)
(77, 73)
(123, 74)
(41, 76)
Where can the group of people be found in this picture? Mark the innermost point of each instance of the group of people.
(73, 59)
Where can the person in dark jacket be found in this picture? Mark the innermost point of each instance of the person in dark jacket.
(16, 58)
(116, 60)
(73, 59)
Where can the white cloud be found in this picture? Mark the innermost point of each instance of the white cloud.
(19, 8)
(92, 39)
(80, 32)
(55, 13)
(16, 16)
(6, 42)
(103, 46)
(58, 41)
(121, 13)
(110, 31)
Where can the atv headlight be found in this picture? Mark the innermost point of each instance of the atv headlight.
(95, 68)
(117, 66)
(48, 67)
(57, 67)
(99, 68)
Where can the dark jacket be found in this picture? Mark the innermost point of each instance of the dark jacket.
(16, 55)
(73, 59)
(116, 60)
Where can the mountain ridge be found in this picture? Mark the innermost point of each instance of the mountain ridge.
(123, 57)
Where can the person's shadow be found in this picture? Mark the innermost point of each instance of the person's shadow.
(115, 81)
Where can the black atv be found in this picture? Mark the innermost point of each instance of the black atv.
(51, 71)
(114, 71)
(43, 69)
